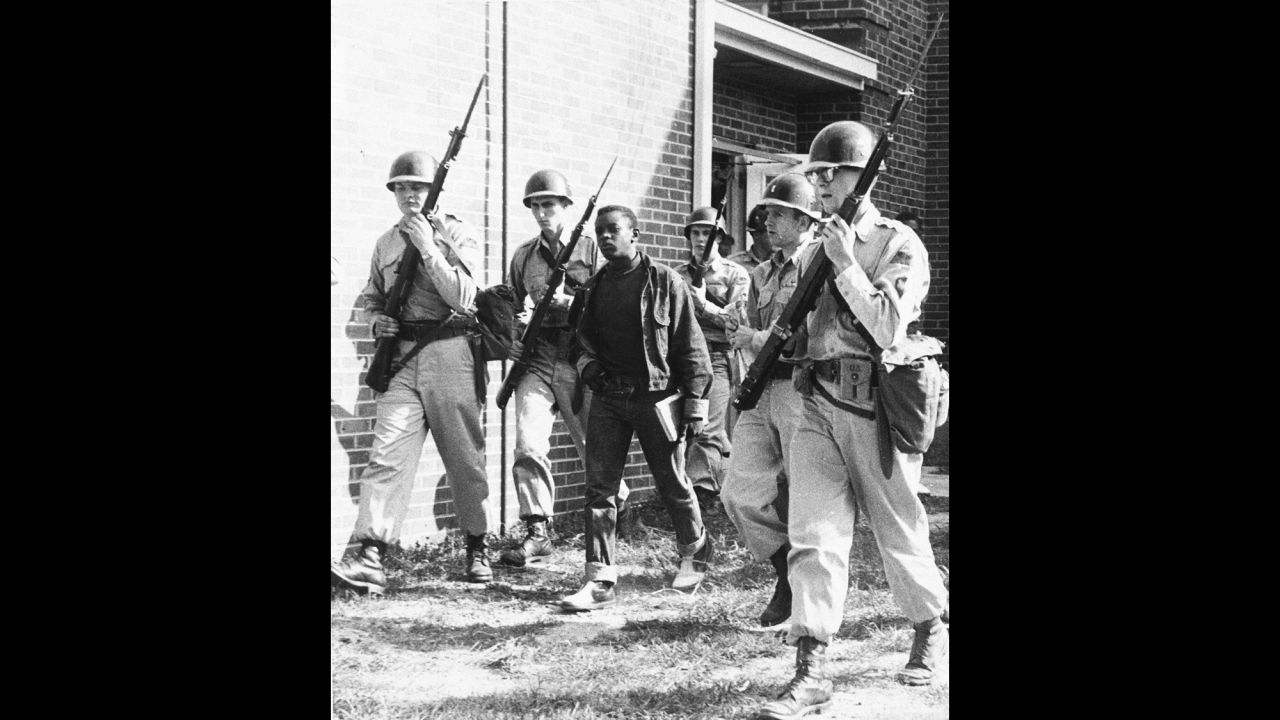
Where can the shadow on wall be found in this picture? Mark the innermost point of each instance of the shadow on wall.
(350, 427)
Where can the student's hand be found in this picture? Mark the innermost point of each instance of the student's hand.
(593, 376)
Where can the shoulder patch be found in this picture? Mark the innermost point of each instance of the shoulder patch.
(903, 256)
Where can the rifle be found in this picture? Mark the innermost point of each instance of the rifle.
(530, 339)
(380, 367)
(698, 268)
(819, 271)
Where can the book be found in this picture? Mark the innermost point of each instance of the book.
(669, 411)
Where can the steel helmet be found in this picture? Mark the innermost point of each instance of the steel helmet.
(547, 182)
(846, 143)
(413, 166)
(755, 221)
(701, 216)
(793, 191)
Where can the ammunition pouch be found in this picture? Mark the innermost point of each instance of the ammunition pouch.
(914, 398)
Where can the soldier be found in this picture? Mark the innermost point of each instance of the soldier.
(435, 391)
(841, 453)
(755, 491)
(640, 345)
(761, 247)
(549, 384)
(723, 284)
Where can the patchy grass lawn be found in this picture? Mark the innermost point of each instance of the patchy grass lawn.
(439, 647)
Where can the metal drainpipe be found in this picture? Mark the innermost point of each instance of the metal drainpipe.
(502, 522)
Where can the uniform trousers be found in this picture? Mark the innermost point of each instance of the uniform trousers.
(613, 422)
(757, 474)
(835, 460)
(537, 400)
(706, 460)
(434, 393)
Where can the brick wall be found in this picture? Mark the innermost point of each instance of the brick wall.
(744, 115)
(892, 32)
(402, 74)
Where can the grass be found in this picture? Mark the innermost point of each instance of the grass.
(438, 647)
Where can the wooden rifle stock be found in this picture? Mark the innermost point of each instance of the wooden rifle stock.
(381, 369)
(530, 339)
(819, 270)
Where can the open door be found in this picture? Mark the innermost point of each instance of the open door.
(758, 176)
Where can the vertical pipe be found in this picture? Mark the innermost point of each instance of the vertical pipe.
(502, 511)
(704, 54)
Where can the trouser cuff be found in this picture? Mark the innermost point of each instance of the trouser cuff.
(600, 572)
(693, 547)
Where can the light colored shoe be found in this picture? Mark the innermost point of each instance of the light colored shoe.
(693, 568)
(595, 594)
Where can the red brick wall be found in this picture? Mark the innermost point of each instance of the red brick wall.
(400, 81)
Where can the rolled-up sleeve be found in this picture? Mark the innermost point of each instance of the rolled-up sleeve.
(886, 305)
(445, 268)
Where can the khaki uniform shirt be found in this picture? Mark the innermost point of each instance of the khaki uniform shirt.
(533, 261)
(884, 289)
(440, 287)
(725, 281)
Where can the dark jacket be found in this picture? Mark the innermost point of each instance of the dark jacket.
(675, 349)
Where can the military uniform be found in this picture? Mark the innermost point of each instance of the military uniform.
(836, 453)
(758, 466)
(434, 392)
(549, 384)
(706, 459)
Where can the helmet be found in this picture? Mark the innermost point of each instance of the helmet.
(841, 143)
(793, 191)
(701, 216)
(547, 182)
(413, 166)
(755, 221)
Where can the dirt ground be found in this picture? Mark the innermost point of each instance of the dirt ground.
(437, 646)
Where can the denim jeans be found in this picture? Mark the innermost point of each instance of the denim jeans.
(614, 420)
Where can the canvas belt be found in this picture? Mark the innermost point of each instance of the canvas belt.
(829, 370)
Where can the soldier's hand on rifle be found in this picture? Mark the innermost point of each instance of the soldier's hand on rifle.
(418, 232)
(561, 299)
(837, 241)
(517, 349)
(385, 326)
(741, 338)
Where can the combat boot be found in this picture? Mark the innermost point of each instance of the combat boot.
(927, 651)
(362, 573)
(536, 544)
(809, 691)
(694, 567)
(779, 607)
(478, 559)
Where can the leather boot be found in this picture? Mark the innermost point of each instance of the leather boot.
(478, 559)
(779, 607)
(536, 543)
(809, 691)
(362, 573)
(927, 652)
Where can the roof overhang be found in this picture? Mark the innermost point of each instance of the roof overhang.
(774, 43)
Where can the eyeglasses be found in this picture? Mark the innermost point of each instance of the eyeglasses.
(825, 175)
